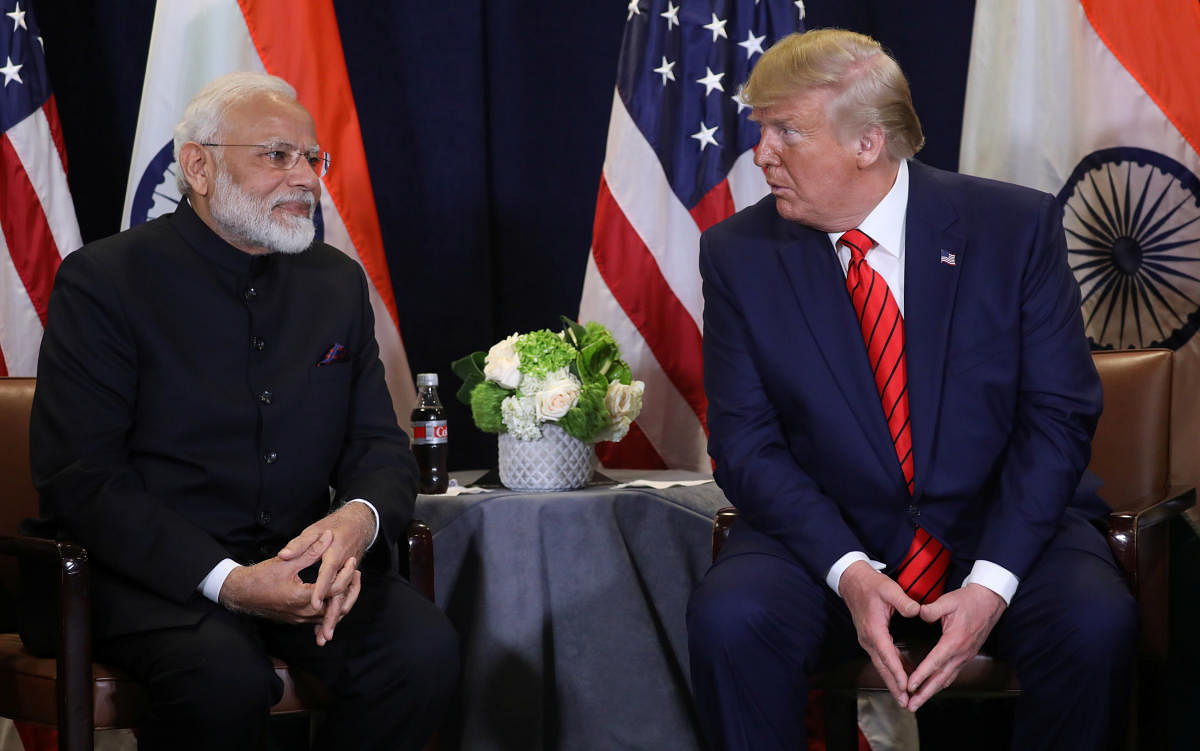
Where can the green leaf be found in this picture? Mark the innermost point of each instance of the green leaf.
(589, 416)
(620, 372)
(572, 331)
(470, 370)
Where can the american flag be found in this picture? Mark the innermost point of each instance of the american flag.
(36, 213)
(679, 159)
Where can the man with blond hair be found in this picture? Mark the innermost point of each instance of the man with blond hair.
(900, 403)
(211, 422)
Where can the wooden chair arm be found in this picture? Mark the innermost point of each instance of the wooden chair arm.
(1126, 528)
(73, 642)
(420, 557)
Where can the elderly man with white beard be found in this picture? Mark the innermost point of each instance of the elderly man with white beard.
(211, 422)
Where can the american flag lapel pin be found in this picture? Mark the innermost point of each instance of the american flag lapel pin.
(948, 258)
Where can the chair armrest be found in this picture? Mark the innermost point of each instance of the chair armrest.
(1125, 528)
(722, 524)
(73, 642)
(420, 557)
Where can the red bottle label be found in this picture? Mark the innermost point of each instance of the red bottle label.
(431, 431)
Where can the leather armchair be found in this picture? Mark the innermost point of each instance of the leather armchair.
(1130, 452)
(71, 692)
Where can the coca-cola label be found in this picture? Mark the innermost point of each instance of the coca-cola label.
(431, 431)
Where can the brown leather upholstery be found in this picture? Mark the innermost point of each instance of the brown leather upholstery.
(90, 695)
(1131, 449)
(1130, 452)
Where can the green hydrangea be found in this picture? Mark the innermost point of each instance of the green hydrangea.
(485, 406)
(543, 351)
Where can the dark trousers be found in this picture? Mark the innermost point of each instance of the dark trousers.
(391, 669)
(759, 625)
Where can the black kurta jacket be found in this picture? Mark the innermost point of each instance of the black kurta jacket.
(181, 414)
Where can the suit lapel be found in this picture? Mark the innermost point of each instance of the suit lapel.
(820, 288)
(930, 286)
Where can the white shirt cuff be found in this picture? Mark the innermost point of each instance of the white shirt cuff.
(210, 586)
(834, 577)
(996, 578)
(369, 505)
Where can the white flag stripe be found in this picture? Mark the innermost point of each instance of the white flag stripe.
(35, 148)
(187, 51)
(20, 327)
(640, 188)
(747, 183)
(668, 421)
(1031, 128)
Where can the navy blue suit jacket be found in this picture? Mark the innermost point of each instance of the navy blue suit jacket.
(1003, 394)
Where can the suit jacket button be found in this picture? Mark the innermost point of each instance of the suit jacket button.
(264, 518)
(265, 396)
(270, 457)
(258, 343)
(913, 510)
(250, 293)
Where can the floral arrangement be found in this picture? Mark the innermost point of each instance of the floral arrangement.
(575, 378)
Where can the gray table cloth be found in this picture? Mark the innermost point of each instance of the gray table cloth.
(571, 607)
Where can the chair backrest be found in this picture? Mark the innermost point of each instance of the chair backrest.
(20, 499)
(1131, 449)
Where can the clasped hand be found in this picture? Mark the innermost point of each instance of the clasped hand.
(273, 588)
(967, 617)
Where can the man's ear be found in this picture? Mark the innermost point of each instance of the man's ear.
(872, 144)
(195, 161)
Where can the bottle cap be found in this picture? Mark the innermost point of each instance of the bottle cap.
(427, 379)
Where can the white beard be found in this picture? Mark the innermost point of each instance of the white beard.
(249, 218)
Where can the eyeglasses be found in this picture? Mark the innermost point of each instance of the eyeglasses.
(284, 156)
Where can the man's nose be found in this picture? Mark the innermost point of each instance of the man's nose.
(303, 173)
(764, 154)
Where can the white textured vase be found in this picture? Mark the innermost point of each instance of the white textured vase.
(555, 462)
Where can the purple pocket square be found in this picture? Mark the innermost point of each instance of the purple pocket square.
(336, 353)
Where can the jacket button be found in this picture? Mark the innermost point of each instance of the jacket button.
(270, 457)
(913, 510)
(258, 343)
(250, 293)
(265, 396)
(264, 518)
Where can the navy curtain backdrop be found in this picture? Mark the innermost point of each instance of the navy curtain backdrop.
(484, 124)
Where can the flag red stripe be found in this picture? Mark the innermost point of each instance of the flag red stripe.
(634, 451)
(30, 242)
(51, 112)
(306, 49)
(637, 283)
(1151, 41)
(715, 206)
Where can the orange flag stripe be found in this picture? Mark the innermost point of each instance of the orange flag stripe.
(306, 50)
(1155, 42)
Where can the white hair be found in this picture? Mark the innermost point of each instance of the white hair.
(203, 117)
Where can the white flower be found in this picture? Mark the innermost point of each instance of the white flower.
(502, 363)
(558, 394)
(519, 416)
(624, 402)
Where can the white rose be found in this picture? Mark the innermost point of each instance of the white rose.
(624, 403)
(555, 398)
(502, 363)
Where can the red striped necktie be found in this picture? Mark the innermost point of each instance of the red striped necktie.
(922, 573)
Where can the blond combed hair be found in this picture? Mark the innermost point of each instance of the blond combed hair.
(866, 86)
